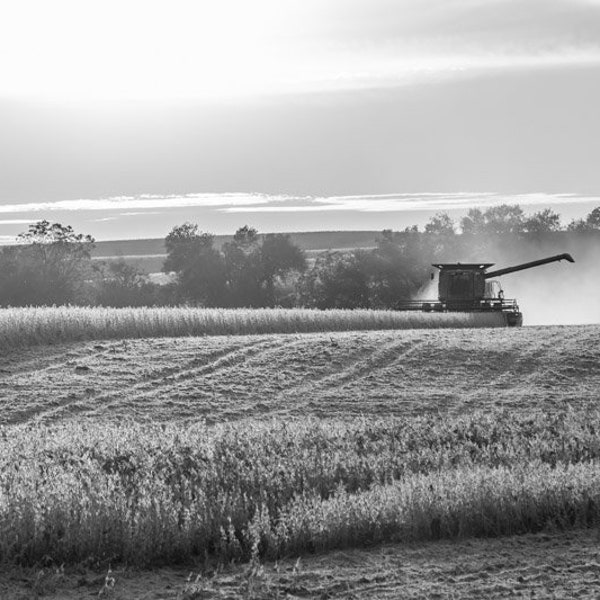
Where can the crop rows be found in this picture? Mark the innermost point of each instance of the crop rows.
(166, 493)
(50, 325)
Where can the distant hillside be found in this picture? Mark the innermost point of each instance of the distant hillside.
(148, 255)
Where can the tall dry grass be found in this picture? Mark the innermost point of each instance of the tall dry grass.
(159, 494)
(51, 325)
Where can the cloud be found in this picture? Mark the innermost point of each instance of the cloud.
(386, 43)
(250, 203)
(144, 201)
(16, 221)
(411, 202)
(141, 212)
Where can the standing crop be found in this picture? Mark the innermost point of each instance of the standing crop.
(152, 493)
(49, 325)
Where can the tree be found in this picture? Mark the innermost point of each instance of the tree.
(592, 221)
(278, 258)
(123, 285)
(181, 244)
(542, 222)
(506, 219)
(377, 278)
(442, 239)
(338, 280)
(243, 269)
(50, 265)
(15, 290)
(245, 238)
(198, 265)
(474, 223)
(255, 266)
(246, 273)
(440, 224)
(577, 225)
(400, 264)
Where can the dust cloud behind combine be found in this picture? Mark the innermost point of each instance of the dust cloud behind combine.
(559, 293)
(429, 290)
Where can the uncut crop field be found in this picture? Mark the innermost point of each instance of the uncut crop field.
(206, 450)
(21, 327)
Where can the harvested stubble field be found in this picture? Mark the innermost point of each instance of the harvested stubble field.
(308, 443)
(341, 375)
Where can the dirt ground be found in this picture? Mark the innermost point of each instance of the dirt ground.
(337, 375)
(554, 565)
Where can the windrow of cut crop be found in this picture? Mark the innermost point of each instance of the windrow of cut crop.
(158, 494)
(52, 325)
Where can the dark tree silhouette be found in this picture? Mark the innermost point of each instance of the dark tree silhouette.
(542, 222)
(593, 219)
(440, 224)
(338, 280)
(198, 265)
(121, 284)
(506, 219)
(243, 268)
(51, 265)
(278, 258)
(245, 273)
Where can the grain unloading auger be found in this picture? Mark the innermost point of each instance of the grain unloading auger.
(468, 287)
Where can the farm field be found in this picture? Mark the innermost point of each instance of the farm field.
(342, 375)
(509, 413)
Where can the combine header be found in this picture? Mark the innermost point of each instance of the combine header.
(468, 287)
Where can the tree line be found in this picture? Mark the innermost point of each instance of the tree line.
(52, 264)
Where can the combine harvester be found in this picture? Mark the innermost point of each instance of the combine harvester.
(469, 288)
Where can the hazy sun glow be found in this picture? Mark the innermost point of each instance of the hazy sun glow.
(157, 49)
(140, 48)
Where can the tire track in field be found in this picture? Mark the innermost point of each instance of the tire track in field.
(165, 377)
(378, 359)
(571, 365)
(35, 380)
(215, 379)
(535, 367)
(164, 384)
(257, 351)
(218, 362)
(43, 358)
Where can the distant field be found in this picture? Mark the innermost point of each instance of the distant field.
(309, 240)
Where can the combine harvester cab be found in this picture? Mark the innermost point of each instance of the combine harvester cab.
(469, 287)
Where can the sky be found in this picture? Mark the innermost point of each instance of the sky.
(125, 118)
